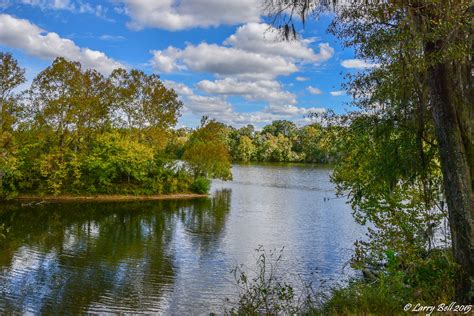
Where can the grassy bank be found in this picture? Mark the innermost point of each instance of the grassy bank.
(108, 198)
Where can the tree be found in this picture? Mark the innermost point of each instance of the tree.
(310, 143)
(284, 127)
(248, 130)
(275, 148)
(207, 152)
(11, 76)
(144, 101)
(438, 36)
(245, 149)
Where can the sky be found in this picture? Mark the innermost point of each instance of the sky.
(221, 57)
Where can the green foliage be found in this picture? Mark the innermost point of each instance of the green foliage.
(245, 150)
(201, 185)
(143, 100)
(389, 158)
(65, 135)
(207, 153)
(431, 283)
(266, 290)
(117, 158)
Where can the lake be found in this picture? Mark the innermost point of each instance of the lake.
(171, 257)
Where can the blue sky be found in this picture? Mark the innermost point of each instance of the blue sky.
(220, 56)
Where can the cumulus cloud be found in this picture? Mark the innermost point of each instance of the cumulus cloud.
(337, 93)
(219, 108)
(264, 39)
(314, 90)
(98, 10)
(357, 64)
(247, 64)
(180, 88)
(259, 90)
(221, 61)
(291, 110)
(184, 14)
(254, 51)
(23, 35)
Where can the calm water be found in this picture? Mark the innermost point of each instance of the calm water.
(172, 257)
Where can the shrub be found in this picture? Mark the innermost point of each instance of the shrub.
(267, 290)
(201, 185)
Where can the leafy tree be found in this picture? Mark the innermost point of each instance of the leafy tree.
(248, 130)
(310, 143)
(276, 148)
(68, 136)
(143, 100)
(11, 76)
(286, 128)
(245, 149)
(207, 152)
(428, 43)
(68, 102)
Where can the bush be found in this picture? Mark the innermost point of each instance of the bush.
(201, 185)
(266, 290)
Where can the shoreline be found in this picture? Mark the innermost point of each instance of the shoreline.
(107, 198)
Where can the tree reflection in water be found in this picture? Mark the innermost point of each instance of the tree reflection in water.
(79, 257)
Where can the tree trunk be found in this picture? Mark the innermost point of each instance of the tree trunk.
(452, 121)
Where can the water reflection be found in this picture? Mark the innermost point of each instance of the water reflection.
(172, 257)
(97, 257)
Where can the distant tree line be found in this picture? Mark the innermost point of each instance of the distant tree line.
(280, 141)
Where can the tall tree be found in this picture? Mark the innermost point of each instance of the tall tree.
(144, 101)
(11, 76)
(438, 34)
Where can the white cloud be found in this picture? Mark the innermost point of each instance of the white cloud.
(222, 61)
(247, 64)
(166, 61)
(337, 93)
(218, 107)
(23, 35)
(184, 14)
(111, 38)
(98, 10)
(314, 90)
(180, 88)
(301, 79)
(200, 104)
(266, 90)
(50, 4)
(264, 39)
(254, 51)
(291, 110)
(67, 5)
(357, 64)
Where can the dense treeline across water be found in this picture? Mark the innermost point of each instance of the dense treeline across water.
(76, 131)
(280, 141)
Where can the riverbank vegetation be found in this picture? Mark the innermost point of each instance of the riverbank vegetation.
(405, 157)
(280, 141)
(75, 131)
